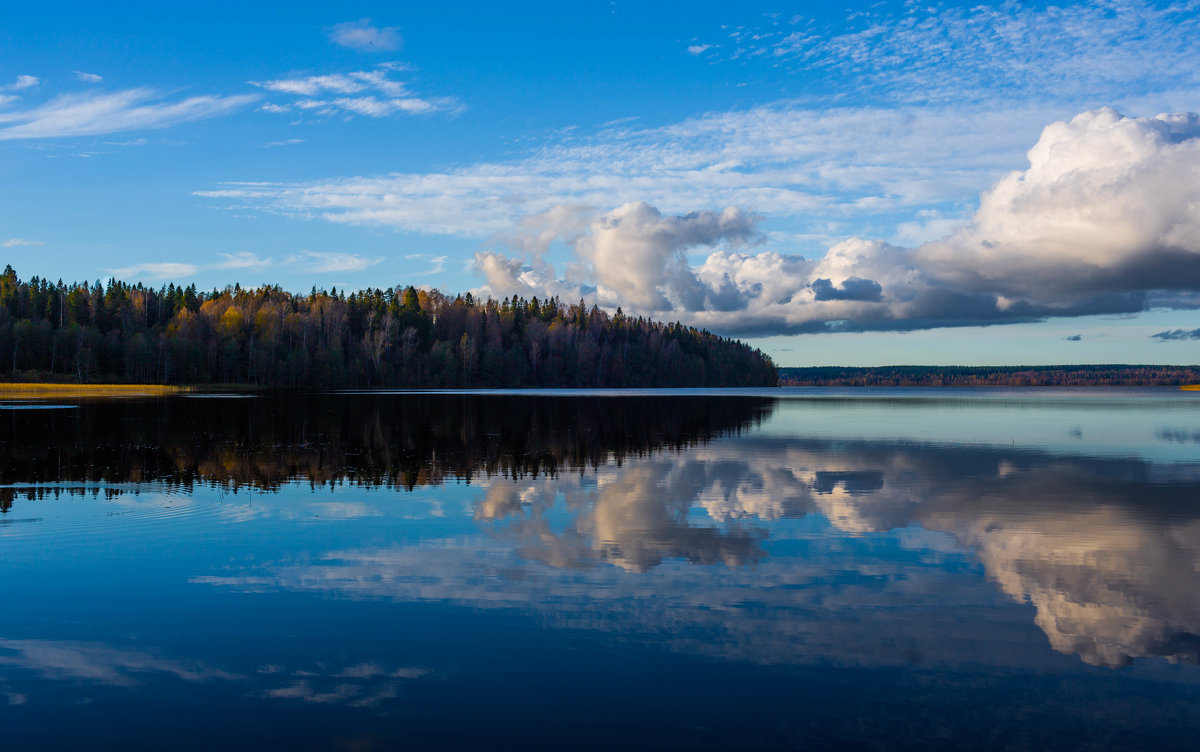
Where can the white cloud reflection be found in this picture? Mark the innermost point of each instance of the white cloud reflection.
(1110, 578)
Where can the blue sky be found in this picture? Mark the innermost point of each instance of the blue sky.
(858, 185)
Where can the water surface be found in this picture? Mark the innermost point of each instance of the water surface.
(774, 569)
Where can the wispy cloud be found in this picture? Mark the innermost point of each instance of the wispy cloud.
(242, 260)
(14, 242)
(98, 662)
(1176, 335)
(88, 78)
(439, 264)
(22, 82)
(319, 263)
(373, 93)
(827, 172)
(937, 53)
(95, 114)
(363, 35)
(155, 271)
(285, 142)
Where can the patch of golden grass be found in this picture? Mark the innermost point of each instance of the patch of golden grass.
(31, 391)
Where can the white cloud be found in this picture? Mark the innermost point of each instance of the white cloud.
(155, 271)
(317, 262)
(696, 49)
(22, 82)
(285, 142)
(362, 35)
(88, 78)
(13, 242)
(242, 260)
(372, 93)
(1083, 51)
(439, 264)
(830, 172)
(1104, 220)
(97, 662)
(312, 85)
(94, 114)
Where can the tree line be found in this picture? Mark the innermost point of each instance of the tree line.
(1072, 375)
(406, 337)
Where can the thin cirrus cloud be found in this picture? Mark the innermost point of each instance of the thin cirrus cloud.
(21, 83)
(88, 78)
(156, 271)
(321, 262)
(373, 93)
(96, 114)
(438, 264)
(14, 242)
(364, 35)
(242, 260)
(935, 53)
(782, 159)
(312, 262)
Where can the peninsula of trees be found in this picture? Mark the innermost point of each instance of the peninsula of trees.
(398, 337)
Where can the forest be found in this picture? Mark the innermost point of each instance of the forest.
(396, 337)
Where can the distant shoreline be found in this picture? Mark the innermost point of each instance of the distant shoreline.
(1187, 377)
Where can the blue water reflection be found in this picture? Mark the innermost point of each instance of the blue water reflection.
(370, 571)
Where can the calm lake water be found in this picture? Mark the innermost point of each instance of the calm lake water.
(774, 569)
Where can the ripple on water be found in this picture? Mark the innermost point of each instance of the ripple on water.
(34, 406)
(131, 513)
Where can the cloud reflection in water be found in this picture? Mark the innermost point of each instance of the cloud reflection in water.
(1106, 551)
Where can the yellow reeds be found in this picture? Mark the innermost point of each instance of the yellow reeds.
(35, 391)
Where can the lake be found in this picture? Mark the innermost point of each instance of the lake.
(761, 569)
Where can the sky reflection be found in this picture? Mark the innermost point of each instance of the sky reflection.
(750, 536)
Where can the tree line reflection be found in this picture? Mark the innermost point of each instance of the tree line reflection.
(394, 440)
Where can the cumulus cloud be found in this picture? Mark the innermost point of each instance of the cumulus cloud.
(363, 35)
(1104, 220)
(1176, 335)
(373, 93)
(94, 114)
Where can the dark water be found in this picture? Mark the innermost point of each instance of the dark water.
(784, 569)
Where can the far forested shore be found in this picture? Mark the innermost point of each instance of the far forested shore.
(1082, 375)
(394, 337)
